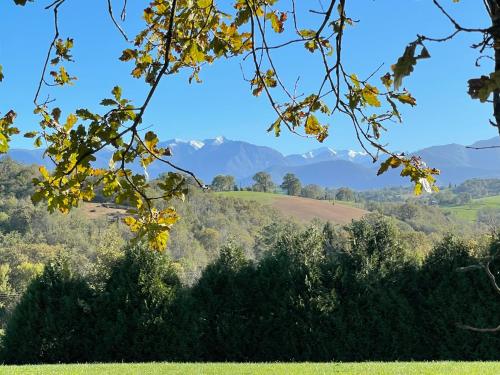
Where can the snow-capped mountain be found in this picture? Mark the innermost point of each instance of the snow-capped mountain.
(325, 166)
(328, 154)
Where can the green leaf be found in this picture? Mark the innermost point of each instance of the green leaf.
(108, 102)
(117, 92)
(151, 140)
(31, 134)
(387, 80)
(128, 54)
(276, 126)
(405, 64)
(392, 162)
(195, 54)
(311, 45)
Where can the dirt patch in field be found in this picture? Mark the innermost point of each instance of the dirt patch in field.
(98, 210)
(307, 209)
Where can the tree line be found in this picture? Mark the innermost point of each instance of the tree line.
(291, 185)
(317, 294)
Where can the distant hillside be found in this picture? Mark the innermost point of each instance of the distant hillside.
(211, 157)
(453, 158)
(324, 166)
(470, 210)
(303, 209)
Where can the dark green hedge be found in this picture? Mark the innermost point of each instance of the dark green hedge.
(312, 297)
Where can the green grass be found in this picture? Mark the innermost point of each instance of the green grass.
(370, 368)
(265, 198)
(469, 211)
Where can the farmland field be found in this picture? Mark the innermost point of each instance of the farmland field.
(98, 210)
(469, 211)
(304, 209)
(372, 368)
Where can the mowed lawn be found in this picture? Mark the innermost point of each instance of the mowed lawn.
(469, 211)
(368, 368)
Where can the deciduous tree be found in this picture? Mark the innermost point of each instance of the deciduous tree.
(223, 183)
(291, 184)
(263, 182)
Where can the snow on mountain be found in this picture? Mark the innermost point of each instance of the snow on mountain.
(197, 144)
(352, 154)
(218, 140)
(328, 154)
(193, 143)
(210, 157)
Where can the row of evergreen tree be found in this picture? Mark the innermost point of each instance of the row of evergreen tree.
(313, 296)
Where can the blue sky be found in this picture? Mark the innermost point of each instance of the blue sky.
(223, 104)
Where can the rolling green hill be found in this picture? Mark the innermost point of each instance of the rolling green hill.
(469, 211)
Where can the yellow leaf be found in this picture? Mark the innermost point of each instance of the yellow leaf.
(131, 223)
(195, 54)
(44, 172)
(407, 99)
(312, 125)
(204, 3)
(370, 95)
(355, 80)
(70, 122)
(158, 241)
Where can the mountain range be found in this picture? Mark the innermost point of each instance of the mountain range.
(323, 166)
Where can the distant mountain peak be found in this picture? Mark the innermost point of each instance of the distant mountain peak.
(327, 154)
(495, 141)
(196, 144)
(352, 154)
(325, 166)
(218, 140)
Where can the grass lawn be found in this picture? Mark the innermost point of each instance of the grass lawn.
(469, 211)
(369, 368)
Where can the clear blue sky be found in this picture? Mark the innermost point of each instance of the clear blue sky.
(223, 104)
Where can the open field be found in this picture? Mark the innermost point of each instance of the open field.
(469, 211)
(97, 210)
(264, 198)
(304, 209)
(372, 368)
